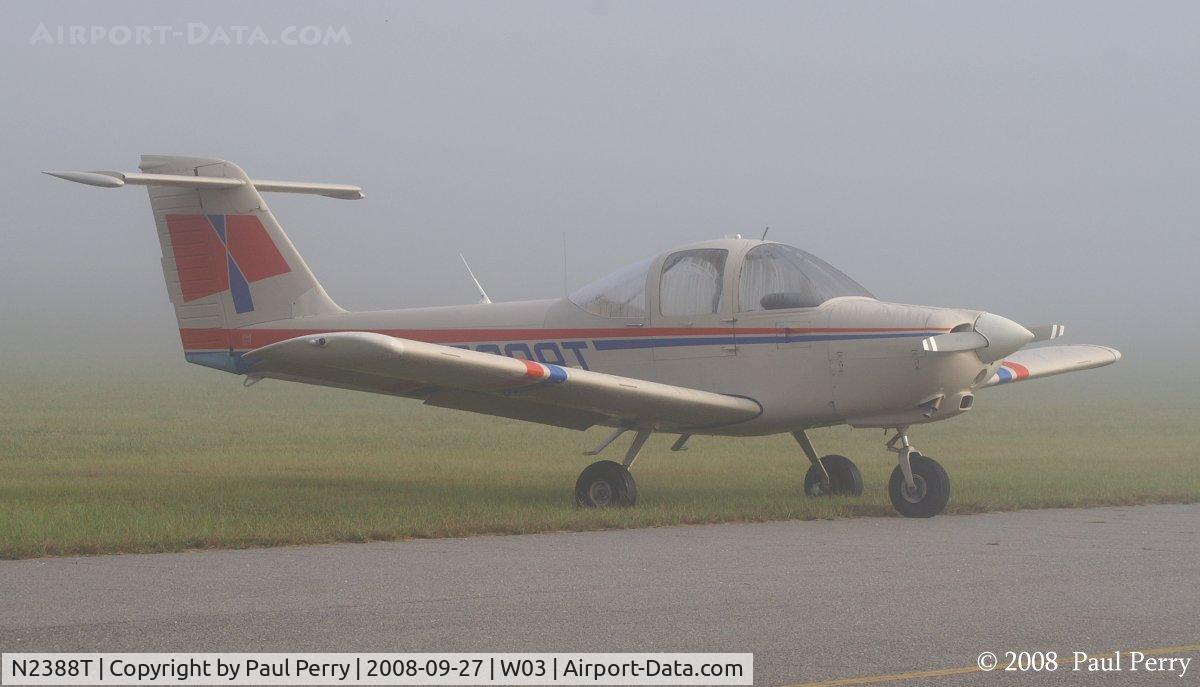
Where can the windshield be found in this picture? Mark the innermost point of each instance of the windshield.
(620, 294)
(776, 277)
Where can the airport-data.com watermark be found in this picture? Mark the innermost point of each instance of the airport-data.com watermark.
(192, 33)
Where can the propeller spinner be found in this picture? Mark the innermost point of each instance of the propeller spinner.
(992, 338)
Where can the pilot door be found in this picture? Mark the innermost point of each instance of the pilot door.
(692, 314)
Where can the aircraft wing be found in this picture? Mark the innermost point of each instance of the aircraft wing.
(492, 384)
(1051, 360)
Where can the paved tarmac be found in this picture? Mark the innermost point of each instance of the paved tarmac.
(859, 598)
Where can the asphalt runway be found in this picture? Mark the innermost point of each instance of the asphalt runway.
(890, 599)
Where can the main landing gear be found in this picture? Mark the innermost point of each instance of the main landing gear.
(829, 475)
(919, 487)
(605, 483)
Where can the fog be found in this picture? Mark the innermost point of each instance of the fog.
(1039, 160)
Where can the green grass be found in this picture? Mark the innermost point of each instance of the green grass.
(156, 455)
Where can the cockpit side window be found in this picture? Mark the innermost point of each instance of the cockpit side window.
(776, 277)
(620, 294)
(692, 282)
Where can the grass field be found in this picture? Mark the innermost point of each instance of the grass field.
(157, 455)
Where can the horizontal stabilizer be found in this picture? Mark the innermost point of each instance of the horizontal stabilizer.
(101, 179)
(106, 179)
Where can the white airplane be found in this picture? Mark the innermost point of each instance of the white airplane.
(733, 337)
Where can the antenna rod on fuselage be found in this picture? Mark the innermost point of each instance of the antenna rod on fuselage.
(566, 290)
(483, 297)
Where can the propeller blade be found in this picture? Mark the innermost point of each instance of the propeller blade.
(1045, 332)
(958, 341)
(993, 338)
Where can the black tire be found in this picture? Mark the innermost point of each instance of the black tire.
(605, 484)
(933, 489)
(844, 478)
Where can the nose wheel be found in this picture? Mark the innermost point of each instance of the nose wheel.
(919, 486)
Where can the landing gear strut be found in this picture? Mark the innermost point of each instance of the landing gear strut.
(829, 475)
(608, 484)
(919, 487)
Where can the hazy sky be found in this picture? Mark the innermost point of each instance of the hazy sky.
(1040, 160)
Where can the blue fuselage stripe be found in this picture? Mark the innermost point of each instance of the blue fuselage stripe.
(625, 344)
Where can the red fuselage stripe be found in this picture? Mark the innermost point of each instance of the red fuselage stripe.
(244, 339)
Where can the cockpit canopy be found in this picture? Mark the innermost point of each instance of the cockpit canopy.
(702, 280)
(776, 277)
(618, 294)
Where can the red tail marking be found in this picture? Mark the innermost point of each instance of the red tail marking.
(252, 248)
(199, 256)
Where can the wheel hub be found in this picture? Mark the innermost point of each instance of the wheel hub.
(600, 492)
(917, 492)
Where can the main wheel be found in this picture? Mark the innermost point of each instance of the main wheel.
(844, 478)
(605, 484)
(931, 492)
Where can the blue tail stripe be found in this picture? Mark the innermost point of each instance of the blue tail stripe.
(239, 288)
(218, 223)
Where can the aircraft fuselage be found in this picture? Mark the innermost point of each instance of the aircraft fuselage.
(850, 360)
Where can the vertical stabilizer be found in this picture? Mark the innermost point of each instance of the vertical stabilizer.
(226, 260)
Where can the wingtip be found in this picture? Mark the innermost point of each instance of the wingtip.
(1116, 355)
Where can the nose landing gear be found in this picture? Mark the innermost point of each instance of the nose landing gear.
(919, 486)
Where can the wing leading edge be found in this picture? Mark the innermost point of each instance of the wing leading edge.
(492, 384)
(1051, 360)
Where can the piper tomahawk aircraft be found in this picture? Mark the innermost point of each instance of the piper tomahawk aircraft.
(731, 337)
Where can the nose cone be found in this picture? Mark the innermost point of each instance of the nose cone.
(1003, 335)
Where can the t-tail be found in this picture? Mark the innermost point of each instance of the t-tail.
(227, 262)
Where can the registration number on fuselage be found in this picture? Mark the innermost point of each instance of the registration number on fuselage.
(565, 353)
